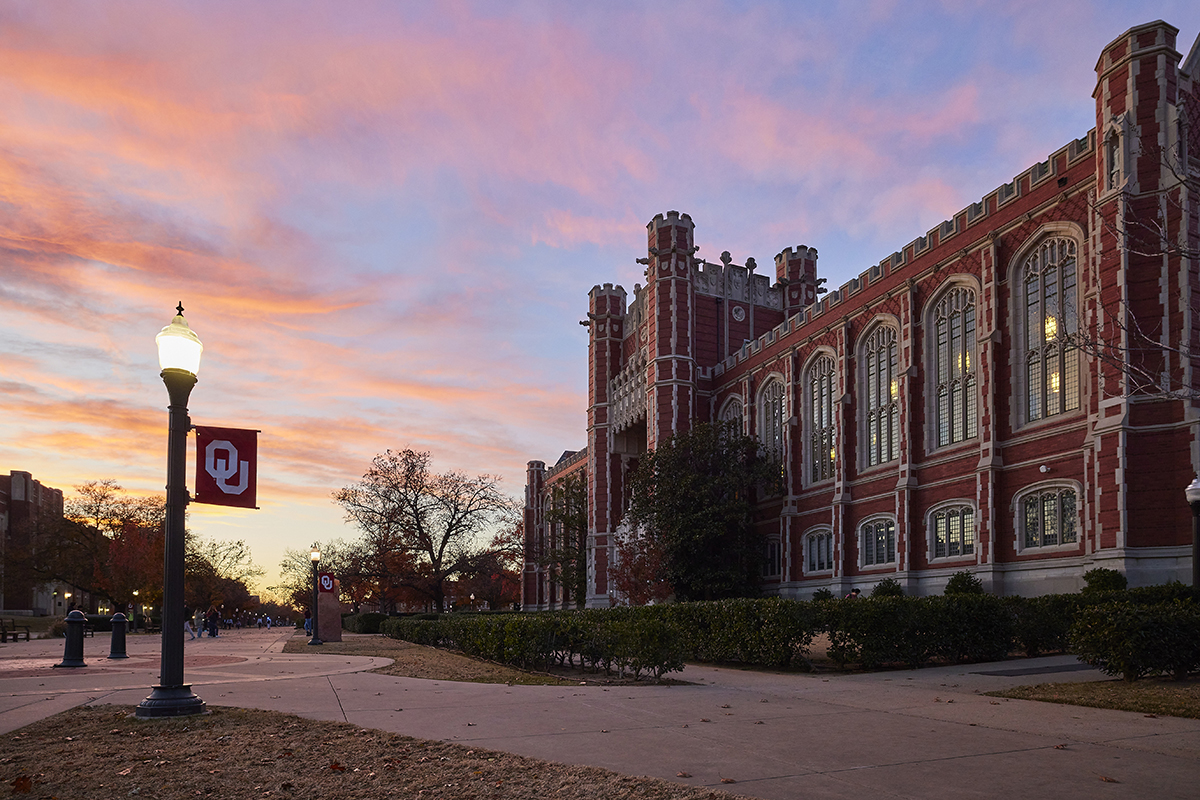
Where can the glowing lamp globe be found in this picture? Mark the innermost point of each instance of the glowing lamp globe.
(179, 347)
(315, 555)
(1193, 491)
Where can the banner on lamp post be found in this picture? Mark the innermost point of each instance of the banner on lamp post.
(325, 582)
(226, 467)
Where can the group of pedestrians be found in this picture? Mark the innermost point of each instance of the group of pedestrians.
(203, 622)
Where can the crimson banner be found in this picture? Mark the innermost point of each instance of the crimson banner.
(325, 581)
(226, 467)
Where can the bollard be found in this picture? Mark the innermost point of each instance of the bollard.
(73, 652)
(117, 650)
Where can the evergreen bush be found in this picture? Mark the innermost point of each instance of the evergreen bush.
(1102, 579)
(963, 583)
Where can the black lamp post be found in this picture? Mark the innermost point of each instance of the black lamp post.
(316, 558)
(1193, 498)
(179, 352)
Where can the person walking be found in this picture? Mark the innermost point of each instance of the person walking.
(213, 619)
(187, 623)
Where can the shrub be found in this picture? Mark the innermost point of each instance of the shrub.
(963, 583)
(1102, 579)
(58, 628)
(363, 622)
(970, 627)
(822, 594)
(1133, 640)
(888, 587)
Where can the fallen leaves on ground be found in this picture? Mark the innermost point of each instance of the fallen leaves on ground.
(268, 750)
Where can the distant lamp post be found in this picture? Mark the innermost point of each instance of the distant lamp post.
(316, 559)
(179, 350)
(472, 601)
(1193, 498)
(136, 610)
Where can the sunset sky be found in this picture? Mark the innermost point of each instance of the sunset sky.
(383, 219)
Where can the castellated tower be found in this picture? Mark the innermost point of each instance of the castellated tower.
(796, 273)
(606, 318)
(670, 328)
(1144, 281)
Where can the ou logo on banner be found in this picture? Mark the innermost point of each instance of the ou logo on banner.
(226, 466)
(325, 582)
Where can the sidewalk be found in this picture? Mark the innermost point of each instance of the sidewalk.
(905, 734)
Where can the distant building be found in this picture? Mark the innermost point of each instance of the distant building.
(1012, 393)
(25, 506)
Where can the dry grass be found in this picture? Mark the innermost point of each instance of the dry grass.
(104, 752)
(1157, 696)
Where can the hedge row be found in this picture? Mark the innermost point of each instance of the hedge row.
(774, 632)
(611, 639)
(363, 622)
(1133, 640)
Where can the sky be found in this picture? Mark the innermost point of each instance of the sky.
(383, 219)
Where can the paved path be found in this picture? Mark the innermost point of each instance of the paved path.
(913, 734)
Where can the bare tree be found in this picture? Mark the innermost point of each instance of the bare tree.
(402, 507)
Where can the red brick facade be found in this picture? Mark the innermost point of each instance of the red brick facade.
(1013, 393)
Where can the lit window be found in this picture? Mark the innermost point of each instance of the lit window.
(822, 384)
(883, 408)
(957, 402)
(1049, 518)
(1051, 360)
(953, 532)
(878, 538)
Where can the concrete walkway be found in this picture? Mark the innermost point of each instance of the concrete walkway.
(908, 734)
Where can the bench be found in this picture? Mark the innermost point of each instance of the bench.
(9, 627)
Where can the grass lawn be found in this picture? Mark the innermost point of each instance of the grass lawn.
(1157, 696)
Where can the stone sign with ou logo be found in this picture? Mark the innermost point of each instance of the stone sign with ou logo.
(226, 467)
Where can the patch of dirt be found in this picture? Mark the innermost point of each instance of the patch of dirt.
(104, 752)
(418, 661)
(1151, 696)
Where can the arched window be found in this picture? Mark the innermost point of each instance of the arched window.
(1051, 321)
(822, 386)
(954, 350)
(1112, 161)
(818, 551)
(772, 557)
(953, 531)
(1049, 517)
(732, 412)
(770, 419)
(877, 539)
(882, 393)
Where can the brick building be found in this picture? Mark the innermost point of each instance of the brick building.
(25, 505)
(1012, 393)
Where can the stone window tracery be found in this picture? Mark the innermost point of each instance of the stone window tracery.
(956, 392)
(882, 396)
(1051, 323)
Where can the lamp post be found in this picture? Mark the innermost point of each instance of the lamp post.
(179, 350)
(136, 610)
(1193, 497)
(316, 558)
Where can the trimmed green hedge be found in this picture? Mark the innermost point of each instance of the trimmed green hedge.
(1133, 640)
(363, 622)
(777, 633)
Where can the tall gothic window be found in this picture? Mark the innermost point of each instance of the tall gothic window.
(771, 419)
(1049, 518)
(822, 385)
(953, 532)
(957, 401)
(883, 408)
(1051, 362)
(733, 413)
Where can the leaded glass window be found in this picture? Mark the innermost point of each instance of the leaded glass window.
(1050, 518)
(883, 407)
(819, 549)
(954, 349)
(1051, 322)
(733, 413)
(822, 386)
(878, 542)
(954, 532)
(771, 420)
